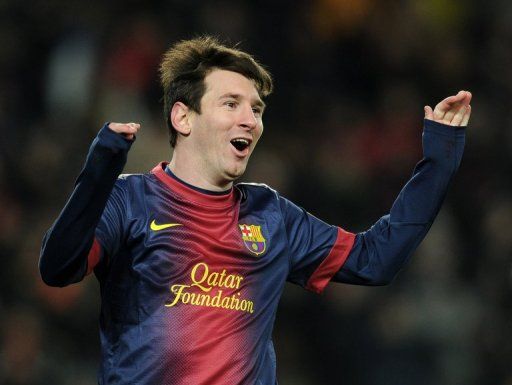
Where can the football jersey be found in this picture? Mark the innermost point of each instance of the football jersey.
(190, 280)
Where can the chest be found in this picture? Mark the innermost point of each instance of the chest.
(208, 247)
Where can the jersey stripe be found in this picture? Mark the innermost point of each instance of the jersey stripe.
(330, 265)
(94, 256)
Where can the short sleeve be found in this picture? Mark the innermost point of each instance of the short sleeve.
(317, 249)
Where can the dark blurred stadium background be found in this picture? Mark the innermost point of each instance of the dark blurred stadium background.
(342, 135)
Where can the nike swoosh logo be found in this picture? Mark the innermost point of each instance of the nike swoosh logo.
(156, 227)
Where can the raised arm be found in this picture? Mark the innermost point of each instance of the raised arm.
(379, 253)
(67, 244)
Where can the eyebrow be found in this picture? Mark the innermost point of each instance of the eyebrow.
(259, 102)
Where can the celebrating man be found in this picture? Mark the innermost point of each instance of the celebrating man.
(191, 266)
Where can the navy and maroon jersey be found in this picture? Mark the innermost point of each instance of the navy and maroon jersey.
(190, 279)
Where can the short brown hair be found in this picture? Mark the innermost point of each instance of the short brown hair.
(185, 65)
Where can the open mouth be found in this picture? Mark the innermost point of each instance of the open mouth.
(240, 143)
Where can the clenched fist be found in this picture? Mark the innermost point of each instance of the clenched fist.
(128, 130)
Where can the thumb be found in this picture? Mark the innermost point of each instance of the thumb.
(429, 114)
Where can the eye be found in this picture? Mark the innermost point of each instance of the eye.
(257, 110)
(231, 104)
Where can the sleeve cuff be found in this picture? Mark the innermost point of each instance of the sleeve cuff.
(443, 129)
(110, 139)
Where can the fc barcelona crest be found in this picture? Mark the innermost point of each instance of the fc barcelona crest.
(253, 239)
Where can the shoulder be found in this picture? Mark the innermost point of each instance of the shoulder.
(263, 197)
(129, 180)
(262, 193)
(259, 190)
(130, 184)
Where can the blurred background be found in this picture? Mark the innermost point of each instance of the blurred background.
(342, 135)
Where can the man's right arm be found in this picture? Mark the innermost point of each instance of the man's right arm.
(68, 243)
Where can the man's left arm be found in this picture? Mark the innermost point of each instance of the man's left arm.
(379, 253)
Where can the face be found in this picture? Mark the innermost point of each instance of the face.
(224, 134)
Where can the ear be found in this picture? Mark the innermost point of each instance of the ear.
(180, 118)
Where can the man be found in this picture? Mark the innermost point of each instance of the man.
(191, 267)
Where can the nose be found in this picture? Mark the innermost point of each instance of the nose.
(248, 118)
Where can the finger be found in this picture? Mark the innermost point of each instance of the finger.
(467, 99)
(454, 110)
(444, 105)
(461, 95)
(429, 114)
(465, 119)
(128, 130)
(124, 128)
(450, 114)
(458, 116)
(442, 108)
(440, 111)
(133, 127)
(131, 130)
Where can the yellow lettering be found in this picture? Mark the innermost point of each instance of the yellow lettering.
(216, 300)
(225, 302)
(205, 280)
(230, 281)
(195, 278)
(205, 300)
(195, 299)
(234, 302)
(233, 281)
(222, 275)
(212, 279)
(177, 290)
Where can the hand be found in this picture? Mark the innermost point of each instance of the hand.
(454, 110)
(128, 130)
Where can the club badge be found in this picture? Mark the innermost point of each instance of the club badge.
(253, 239)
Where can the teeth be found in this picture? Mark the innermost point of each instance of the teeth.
(240, 143)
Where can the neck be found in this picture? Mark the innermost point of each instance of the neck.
(189, 171)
